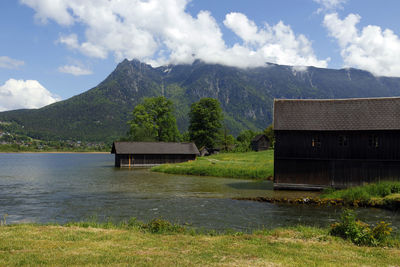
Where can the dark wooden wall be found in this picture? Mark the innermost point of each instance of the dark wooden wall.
(337, 159)
(126, 160)
(261, 144)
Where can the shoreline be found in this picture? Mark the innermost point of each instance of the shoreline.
(53, 152)
(393, 204)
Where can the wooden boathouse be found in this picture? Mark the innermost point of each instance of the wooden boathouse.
(336, 143)
(146, 154)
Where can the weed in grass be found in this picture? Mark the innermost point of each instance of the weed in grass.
(4, 220)
(154, 226)
(361, 233)
(161, 226)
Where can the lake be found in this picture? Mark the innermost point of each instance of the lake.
(53, 187)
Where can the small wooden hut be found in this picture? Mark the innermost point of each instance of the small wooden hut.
(204, 151)
(260, 142)
(146, 154)
(336, 143)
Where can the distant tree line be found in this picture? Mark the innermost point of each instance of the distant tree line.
(153, 120)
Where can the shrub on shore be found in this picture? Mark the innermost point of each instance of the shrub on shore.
(361, 233)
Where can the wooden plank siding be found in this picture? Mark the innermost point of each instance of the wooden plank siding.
(317, 159)
(298, 144)
(147, 154)
(147, 160)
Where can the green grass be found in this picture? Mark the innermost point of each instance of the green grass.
(381, 195)
(367, 192)
(249, 165)
(78, 245)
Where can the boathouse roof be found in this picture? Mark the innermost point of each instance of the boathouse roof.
(337, 114)
(154, 148)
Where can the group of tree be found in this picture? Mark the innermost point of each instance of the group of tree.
(205, 122)
(153, 120)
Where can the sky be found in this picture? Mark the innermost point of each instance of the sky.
(51, 50)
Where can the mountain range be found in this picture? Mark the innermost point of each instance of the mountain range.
(246, 96)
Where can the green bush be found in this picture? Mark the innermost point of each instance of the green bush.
(361, 233)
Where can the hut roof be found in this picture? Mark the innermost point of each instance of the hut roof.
(258, 137)
(337, 114)
(153, 148)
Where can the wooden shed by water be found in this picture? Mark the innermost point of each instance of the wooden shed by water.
(260, 142)
(336, 143)
(146, 154)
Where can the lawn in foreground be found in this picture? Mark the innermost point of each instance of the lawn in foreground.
(74, 245)
(249, 165)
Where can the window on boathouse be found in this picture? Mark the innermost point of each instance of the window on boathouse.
(316, 142)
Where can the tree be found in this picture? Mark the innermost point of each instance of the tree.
(205, 122)
(246, 136)
(227, 141)
(269, 132)
(153, 121)
(244, 140)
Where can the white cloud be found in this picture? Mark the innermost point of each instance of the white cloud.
(69, 40)
(370, 48)
(161, 31)
(74, 70)
(10, 63)
(327, 5)
(17, 94)
(50, 9)
(277, 43)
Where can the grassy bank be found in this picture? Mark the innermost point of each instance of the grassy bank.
(377, 194)
(78, 244)
(249, 165)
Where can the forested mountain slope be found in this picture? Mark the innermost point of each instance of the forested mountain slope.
(246, 96)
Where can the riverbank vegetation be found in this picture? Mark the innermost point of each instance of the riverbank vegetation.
(249, 165)
(376, 194)
(379, 195)
(364, 192)
(163, 244)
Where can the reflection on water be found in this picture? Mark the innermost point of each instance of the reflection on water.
(71, 187)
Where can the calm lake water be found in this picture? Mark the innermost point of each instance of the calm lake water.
(72, 187)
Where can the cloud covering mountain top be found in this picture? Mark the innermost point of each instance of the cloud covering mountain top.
(162, 31)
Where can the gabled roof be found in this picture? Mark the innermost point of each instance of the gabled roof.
(258, 137)
(154, 148)
(337, 114)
